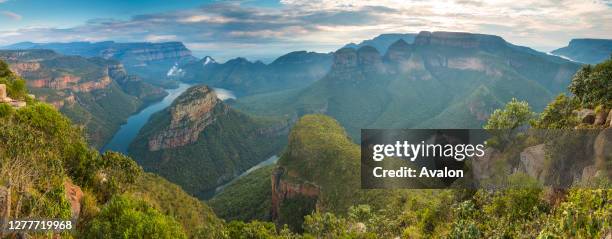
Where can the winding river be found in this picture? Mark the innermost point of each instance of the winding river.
(128, 131)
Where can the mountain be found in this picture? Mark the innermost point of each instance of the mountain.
(200, 143)
(383, 41)
(417, 85)
(94, 92)
(150, 61)
(293, 70)
(590, 51)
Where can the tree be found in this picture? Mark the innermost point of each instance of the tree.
(504, 123)
(514, 115)
(592, 85)
(558, 114)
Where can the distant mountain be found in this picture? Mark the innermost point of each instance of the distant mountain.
(151, 61)
(93, 92)
(201, 143)
(421, 85)
(383, 41)
(293, 70)
(590, 51)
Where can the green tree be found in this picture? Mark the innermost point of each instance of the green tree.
(558, 114)
(592, 85)
(126, 217)
(505, 123)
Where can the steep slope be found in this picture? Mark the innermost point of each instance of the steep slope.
(150, 61)
(201, 143)
(383, 41)
(290, 71)
(248, 198)
(590, 51)
(93, 92)
(48, 171)
(441, 74)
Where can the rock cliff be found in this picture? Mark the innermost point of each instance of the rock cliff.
(190, 114)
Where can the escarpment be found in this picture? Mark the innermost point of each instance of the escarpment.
(190, 115)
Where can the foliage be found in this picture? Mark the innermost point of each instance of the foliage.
(592, 85)
(248, 198)
(514, 115)
(126, 217)
(558, 114)
(231, 144)
(586, 213)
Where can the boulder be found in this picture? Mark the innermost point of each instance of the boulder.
(600, 117)
(482, 167)
(532, 160)
(609, 120)
(586, 116)
(603, 151)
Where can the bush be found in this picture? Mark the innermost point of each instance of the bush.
(126, 217)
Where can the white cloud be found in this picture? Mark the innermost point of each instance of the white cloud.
(11, 15)
(325, 25)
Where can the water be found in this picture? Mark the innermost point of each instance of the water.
(128, 131)
(269, 161)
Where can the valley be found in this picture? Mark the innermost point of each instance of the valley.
(211, 149)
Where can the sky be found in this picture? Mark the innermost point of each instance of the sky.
(264, 29)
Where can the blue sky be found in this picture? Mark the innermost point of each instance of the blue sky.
(262, 29)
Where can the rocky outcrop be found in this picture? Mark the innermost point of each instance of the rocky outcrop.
(600, 117)
(369, 59)
(609, 119)
(20, 67)
(533, 161)
(586, 116)
(458, 39)
(5, 99)
(284, 190)
(190, 114)
(138, 53)
(74, 194)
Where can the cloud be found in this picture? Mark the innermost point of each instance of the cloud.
(230, 29)
(11, 15)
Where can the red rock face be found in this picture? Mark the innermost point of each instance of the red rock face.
(283, 190)
(192, 113)
(74, 195)
(21, 67)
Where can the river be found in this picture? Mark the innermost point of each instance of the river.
(128, 131)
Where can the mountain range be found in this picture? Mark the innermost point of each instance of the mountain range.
(293, 70)
(94, 92)
(150, 61)
(590, 51)
(443, 79)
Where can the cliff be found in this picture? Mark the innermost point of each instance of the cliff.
(200, 143)
(318, 170)
(590, 51)
(190, 114)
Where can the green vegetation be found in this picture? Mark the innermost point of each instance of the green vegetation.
(43, 157)
(248, 198)
(125, 217)
(228, 146)
(592, 85)
(101, 111)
